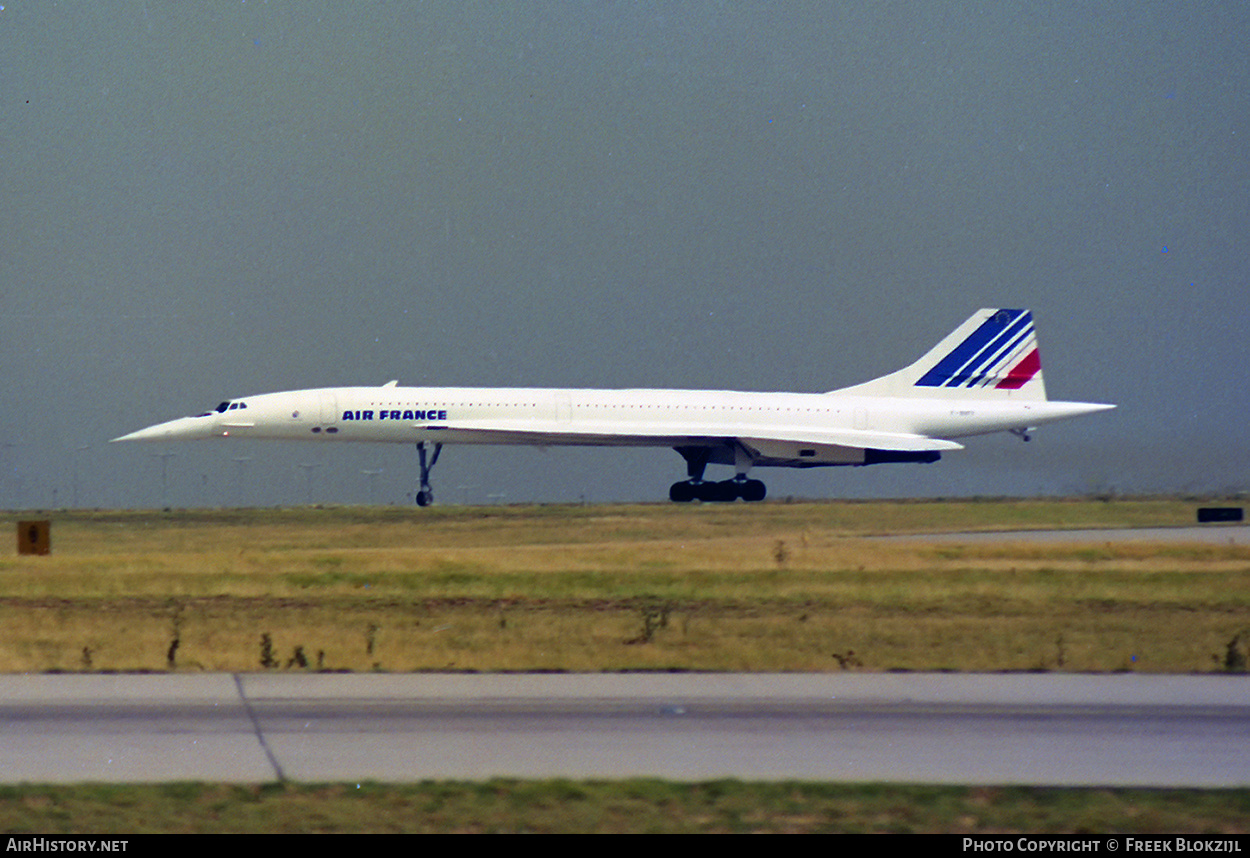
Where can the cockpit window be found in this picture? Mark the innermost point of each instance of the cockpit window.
(229, 406)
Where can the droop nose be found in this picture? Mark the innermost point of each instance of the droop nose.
(182, 429)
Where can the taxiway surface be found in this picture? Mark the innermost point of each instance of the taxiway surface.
(1199, 535)
(1133, 730)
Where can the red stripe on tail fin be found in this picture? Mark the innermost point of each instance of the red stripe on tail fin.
(1022, 372)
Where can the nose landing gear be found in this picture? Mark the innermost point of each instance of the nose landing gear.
(425, 494)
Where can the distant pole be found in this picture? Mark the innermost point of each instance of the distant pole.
(309, 467)
(373, 482)
(10, 472)
(165, 457)
(81, 449)
(242, 462)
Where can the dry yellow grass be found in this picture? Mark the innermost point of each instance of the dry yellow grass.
(734, 587)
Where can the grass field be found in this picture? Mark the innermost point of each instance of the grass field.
(633, 806)
(770, 587)
(764, 587)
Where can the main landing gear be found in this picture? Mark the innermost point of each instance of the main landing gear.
(696, 488)
(725, 491)
(425, 495)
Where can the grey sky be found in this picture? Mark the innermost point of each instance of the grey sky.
(208, 200)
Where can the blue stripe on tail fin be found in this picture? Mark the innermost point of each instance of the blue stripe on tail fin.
(985, 350)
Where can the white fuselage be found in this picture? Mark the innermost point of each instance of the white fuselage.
(985, 376)
(781, 428)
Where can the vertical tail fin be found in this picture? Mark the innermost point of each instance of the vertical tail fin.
(992, 355)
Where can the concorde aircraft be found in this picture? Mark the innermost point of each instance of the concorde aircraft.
(985, 376)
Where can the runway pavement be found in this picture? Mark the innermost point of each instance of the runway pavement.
(1210, 534)
(922, 728)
